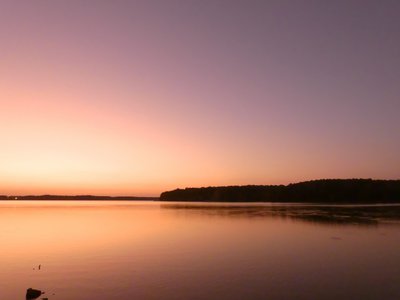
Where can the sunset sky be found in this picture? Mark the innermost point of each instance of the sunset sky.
(138, 97)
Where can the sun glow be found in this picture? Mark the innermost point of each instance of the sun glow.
(129, 99)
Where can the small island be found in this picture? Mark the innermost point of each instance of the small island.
(321, 191)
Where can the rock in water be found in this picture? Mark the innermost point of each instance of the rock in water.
(32, 293)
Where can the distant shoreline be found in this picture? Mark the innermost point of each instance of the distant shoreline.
(349, 191)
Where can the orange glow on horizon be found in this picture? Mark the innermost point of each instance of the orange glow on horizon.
(130, 99)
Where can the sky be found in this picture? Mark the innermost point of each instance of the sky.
(139, 97)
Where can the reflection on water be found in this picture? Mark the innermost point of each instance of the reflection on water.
(331, 214)
(153, 250)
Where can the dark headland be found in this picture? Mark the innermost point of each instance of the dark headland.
(321, 191)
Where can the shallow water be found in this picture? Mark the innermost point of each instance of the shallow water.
(153, 250)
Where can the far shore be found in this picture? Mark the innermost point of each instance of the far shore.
(349, 191)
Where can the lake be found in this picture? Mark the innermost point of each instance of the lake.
(163, 250)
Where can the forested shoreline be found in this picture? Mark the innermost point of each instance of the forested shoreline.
(323, 190)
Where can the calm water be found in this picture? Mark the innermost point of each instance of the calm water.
(153, 250)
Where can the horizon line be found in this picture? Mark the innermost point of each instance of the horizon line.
(187, 187)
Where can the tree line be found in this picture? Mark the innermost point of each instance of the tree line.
(323, 190)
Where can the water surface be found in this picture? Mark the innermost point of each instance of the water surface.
(153, 250)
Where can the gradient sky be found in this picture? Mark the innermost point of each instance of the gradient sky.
(138, 97)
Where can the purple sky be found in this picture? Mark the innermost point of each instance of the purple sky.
(135, 97)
